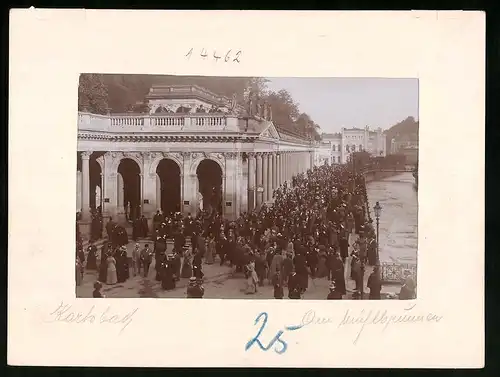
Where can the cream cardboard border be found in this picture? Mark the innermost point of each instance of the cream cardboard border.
(49, 48)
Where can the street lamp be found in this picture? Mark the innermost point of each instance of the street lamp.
(378, 210)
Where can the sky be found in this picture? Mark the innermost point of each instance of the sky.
(334, 103)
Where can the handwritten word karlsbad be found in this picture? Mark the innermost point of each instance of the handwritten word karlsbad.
(229, 56)
(65, 313)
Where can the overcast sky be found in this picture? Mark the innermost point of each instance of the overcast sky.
(334, 103)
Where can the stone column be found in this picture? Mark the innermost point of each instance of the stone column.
(275, 172)
(78, 191)
(251, 182)
(141, 199)
(278, 170)
(258, 175)
(269, 195)
(158, 192)
(85, 186)
(265, 168)
(232, 178)
(120, 194)
(285, 166)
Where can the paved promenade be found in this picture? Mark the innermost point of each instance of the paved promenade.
(220, 282)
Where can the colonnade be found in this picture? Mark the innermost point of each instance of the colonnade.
(269, 170)
(264, 173)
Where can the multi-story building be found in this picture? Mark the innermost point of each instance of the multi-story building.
(355, 140)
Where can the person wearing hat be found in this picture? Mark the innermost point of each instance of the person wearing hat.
(78, 272)
(136, 260)
(375, 284)
(97, 290)
(91, 257)
(194, 289)
(294, 287)
(334, 294)
(167, 272)
(278, 286)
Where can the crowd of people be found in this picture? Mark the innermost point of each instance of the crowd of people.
(306, 233)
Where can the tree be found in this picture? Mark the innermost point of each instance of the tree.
(92, 94)
(285, 110)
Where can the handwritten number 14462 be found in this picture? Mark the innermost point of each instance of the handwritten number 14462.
(229, 56)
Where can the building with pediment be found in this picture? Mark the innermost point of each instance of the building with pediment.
(194, 149)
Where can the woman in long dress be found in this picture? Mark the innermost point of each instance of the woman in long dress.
(322, 257)
(92, 258)
(209, 256)
(111, 277)
(187, 269)
(152, 268)
(78, 272)
(252, 279)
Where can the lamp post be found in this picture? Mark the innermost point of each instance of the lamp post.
(378, 210)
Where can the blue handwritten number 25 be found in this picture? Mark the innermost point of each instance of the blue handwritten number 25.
(277, 337)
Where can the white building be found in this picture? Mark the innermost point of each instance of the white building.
(350, 140)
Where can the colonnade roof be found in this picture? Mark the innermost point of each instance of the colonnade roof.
(179, 126)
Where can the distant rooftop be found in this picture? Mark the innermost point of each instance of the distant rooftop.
(186, 91)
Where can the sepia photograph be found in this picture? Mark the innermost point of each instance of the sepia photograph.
(247, 187)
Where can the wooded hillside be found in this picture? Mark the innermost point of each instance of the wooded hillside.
(406, 130)
(121, 93)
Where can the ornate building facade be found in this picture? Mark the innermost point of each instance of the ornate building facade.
(350, 140)
(192, 150)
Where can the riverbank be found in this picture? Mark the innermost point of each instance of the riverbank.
(398, 223)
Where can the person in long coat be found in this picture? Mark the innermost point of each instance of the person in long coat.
(91, 258)
(177, 264)
(152, 267)
(144, 227)
(338, 276)
(276, 265)
(209, 255)
(375, 284)
(122, 267)
(103, 266)
(111, 272)
(252, 280)
(278, 286)
(287, 268)
(294, 287)
(167, 274)
(187, 268)
(322, 258)
(78, 272)
(300, 265)
(197, 262)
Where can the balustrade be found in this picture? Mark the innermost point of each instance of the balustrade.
(129, 122)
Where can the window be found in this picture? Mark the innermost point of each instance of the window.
(347, 148)
(333, 147)
(360, 147)
(338, 159)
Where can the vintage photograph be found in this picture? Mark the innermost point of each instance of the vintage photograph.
(246, 187)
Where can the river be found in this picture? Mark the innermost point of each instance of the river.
(399, 219)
